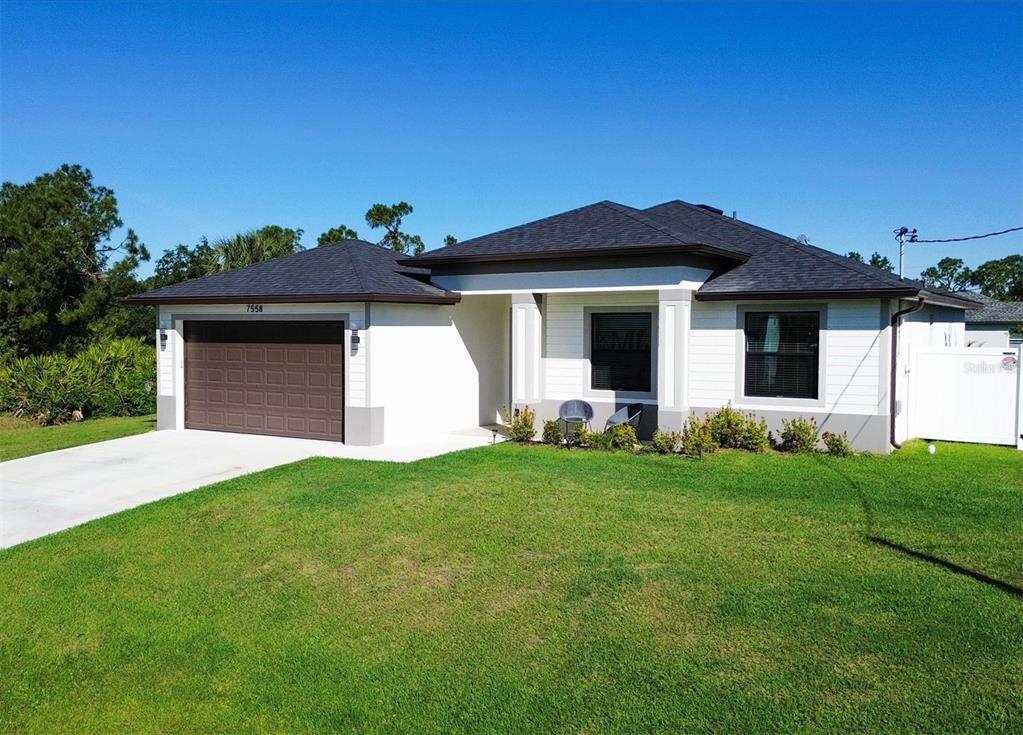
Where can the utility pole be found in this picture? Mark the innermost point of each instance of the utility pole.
(901, 234)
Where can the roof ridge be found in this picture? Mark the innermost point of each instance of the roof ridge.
(818, 252)
(625, 209)
(459, 245)
(357, 267)
(653, 221)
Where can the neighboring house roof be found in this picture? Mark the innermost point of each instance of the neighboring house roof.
(350, 270)
(993, 311)
(601, 228)
(756, 263)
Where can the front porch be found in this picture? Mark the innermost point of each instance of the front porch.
(608, 348)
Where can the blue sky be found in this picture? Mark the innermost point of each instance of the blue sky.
(839, 121)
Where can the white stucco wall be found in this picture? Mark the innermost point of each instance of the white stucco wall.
(851, 339)
(170, 361)
(934, 326)
(930, 327)
(439, 368)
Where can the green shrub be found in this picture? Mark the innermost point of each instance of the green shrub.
(697, 438)
(596, 440)
(726, 426)
(109, 378)
(755, 436)
(837, 444)
(622, 436)
(552, 432)
(799, 435)
(523, 425)
(667, 442)
(577, 435)
(733, 429)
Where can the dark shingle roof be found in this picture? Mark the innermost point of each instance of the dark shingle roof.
(779, 263)
(755, 262)
(350, 270)
(994, 311)
(596, 228)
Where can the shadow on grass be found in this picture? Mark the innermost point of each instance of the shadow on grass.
(946, 564)
(874, 538)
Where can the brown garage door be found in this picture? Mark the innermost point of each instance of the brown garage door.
(281, 378)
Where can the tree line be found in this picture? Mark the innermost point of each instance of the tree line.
(63, 276)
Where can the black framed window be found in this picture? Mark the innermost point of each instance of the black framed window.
(782, 353)
(620, 351)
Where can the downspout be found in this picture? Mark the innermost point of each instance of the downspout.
(895, 360)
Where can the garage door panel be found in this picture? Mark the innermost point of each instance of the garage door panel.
(274, 377)
(316, 357)
(265, 378)
(255, 398)
(318, 380)
(275, 399)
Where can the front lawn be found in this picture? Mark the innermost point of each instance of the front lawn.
(515, 589)
(22, 437)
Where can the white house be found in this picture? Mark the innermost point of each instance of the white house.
(676, 307)
(995, 323)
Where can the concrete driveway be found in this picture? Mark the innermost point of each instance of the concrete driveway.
(53, 491)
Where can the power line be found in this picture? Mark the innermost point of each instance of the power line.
(910, 235)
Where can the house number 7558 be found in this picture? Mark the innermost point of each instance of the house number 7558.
(250, 308)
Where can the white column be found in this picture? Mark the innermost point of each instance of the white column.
(673, 320)
(526, 349)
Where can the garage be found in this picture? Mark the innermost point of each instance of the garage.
(265, 377)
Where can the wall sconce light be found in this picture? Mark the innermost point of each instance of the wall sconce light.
(163, 340)
(355, 340)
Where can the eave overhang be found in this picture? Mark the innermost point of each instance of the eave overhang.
(142, 300)
(425, 261)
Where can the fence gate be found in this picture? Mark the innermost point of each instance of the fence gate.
(970, 394)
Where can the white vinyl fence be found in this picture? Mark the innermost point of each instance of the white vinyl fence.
(970, 394)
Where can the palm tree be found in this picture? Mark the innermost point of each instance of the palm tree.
(254, 246)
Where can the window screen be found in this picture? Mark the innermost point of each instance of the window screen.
(620, 352)
(782, 354)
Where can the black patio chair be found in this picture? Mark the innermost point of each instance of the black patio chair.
(575, 412)
(631, 414)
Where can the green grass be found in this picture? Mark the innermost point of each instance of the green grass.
(23, 437)
(515, 589)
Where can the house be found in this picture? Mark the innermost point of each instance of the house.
(995, 324)
(676, 306)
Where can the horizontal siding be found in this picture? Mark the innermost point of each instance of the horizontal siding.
(712, 354)
(853, 348)
(853, 377)
(564, 364)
